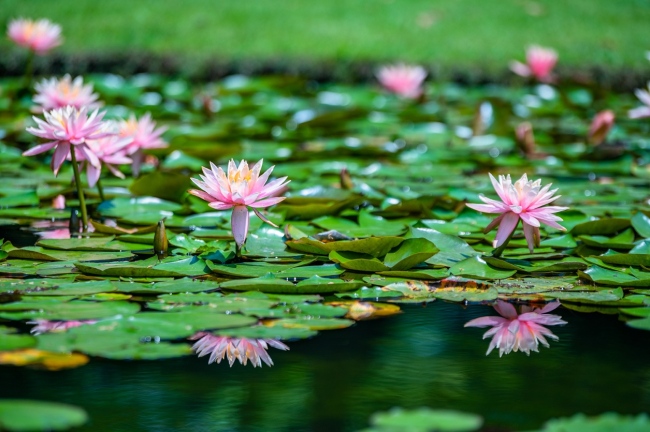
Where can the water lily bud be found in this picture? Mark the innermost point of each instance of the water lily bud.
(58, 202)
(346, 179)
(160, 243)
(525, 138)
(74, 224)
(600, 127)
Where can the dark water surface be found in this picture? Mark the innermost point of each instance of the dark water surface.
(335, 381)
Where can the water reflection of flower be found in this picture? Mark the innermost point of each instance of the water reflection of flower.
(45, 326)
(242, 349)
(518, 332)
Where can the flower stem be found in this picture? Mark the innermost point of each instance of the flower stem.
(29, 69)
(100, 189)
(80, 191)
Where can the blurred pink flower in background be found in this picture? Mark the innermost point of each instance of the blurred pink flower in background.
(144, 136)
(522, 200)
(242, 349)
(45, 326)
(518, 332)
(600, 127)
(67, 127)
(58, 93)
(403, 80)
(525, 139)
(239, 189)
(642, 111)
(39, 36)
(540, 62)
(58, 202)
(110, 152)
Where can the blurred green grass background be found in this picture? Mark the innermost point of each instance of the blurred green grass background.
(453, 33)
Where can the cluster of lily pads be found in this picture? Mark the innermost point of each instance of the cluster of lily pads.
(375, 215)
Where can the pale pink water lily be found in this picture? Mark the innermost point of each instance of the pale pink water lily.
(642, 111)
(242, 349)
(110, 152)
(242, 187)
(68, 127)
(403, 80)
(523, 200)
(540, 62)
(600, 127)
(58, 93)
(144, 136)
(58, 202)
(514, 331)
(45, 326)
(39, 36)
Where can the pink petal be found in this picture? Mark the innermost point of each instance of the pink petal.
(92, 173)
(60, 154)
(507, 226)
(505, 309)
(41, 148)
(486, 321)
(239, 223)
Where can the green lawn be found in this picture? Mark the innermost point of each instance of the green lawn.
(458, 33)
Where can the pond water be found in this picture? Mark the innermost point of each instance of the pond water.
(336, 380)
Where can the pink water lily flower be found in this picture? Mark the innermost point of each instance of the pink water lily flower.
(518, 332)
(144, 136)
(239, 189)
(39, 36)
(540, 62)
(65, 128)
(242, 349)
(602, 123)
(110, 152)
(403, 80)
(58, 93)
(642, 111)
(523, 200)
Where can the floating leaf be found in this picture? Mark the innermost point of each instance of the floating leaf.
(17, 415)
(425, 420)
(477, 268)
(410, 253)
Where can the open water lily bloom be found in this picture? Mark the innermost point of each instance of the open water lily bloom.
(67, 127)
(39, 36)
(242, 349)
(110, 152)
(540, 62)
(403, 80)
(514, 331)
(524, 200)
(238, 189)
(58, 93)
(144, 136)
(642, 111)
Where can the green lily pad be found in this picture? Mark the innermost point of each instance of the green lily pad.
(313, 323)
(425, 420)
(263, 332)
(608, 422)
(357, 261)
(18, 415)
(477, 268)
(376, 246)
(603, 295)
(410, 253)
(641, 224)
(152, 267)
(601, 227)
(55, 309)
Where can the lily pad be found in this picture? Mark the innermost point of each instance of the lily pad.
(17, 415)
